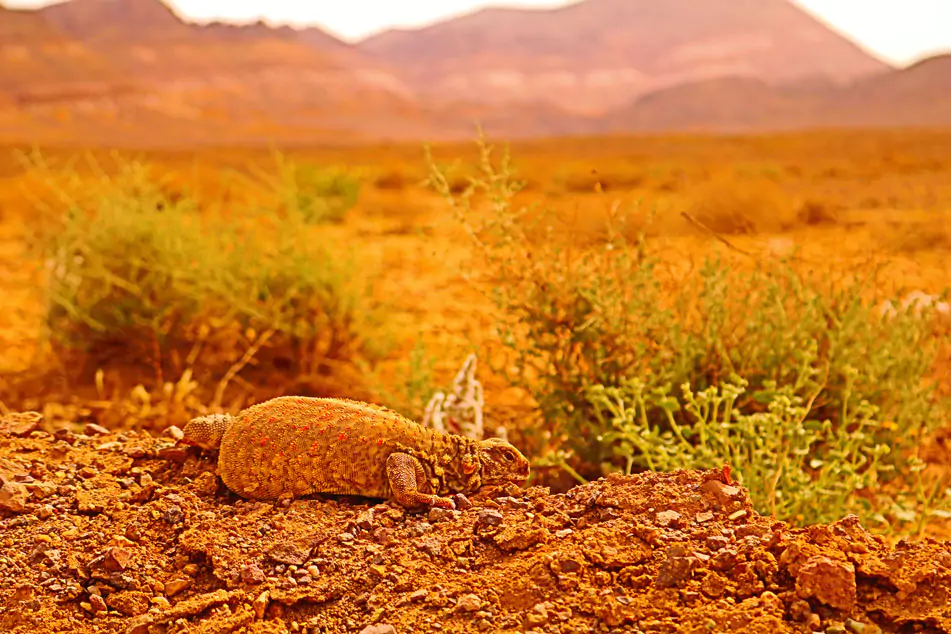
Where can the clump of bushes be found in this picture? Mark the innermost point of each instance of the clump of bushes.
(729, 204)
(141, 280)
(574, 320)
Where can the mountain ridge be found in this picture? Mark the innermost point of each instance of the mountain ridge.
(594, 55)
(151, 73)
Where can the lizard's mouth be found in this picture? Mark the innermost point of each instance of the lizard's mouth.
(521, 477)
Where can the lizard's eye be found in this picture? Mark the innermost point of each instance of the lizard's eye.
(509, 456)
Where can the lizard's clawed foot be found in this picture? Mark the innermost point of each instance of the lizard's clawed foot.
(443, 503)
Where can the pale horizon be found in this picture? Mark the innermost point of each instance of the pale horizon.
(898, 31)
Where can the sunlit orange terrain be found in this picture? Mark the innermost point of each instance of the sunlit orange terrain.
(701, 320)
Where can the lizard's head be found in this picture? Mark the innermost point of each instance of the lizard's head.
(206, 431)
(501, 462)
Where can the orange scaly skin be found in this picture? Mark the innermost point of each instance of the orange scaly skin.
(293, 446)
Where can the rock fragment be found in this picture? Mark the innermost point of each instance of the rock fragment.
(252, 574)
(14, 497)
(675, 569)
(383, 628)
(828, 581)
(176, 586)
(92, 429)
(293, 553)
(20, 424)
(468, 603)
(489, 517)
(114, 559)
(260, 604)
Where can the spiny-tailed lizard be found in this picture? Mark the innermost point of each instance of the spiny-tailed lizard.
(293, 446)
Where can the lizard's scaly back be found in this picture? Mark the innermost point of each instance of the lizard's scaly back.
(295, 446)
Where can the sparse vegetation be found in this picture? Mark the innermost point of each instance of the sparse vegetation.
(612, 315)
(599, 300)
(917, 237)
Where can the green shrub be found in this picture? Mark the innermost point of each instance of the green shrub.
(571, 318)
(131, 269)
(129, 262)
(317, 195)
(795, 466)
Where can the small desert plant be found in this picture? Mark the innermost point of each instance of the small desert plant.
(795, 465)
(315, 194)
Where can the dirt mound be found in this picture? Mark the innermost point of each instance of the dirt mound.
(106, 532)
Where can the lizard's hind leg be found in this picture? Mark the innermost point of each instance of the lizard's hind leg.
(405, 475)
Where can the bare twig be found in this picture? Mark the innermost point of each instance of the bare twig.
(157, 359)
(237, 367)
(716, 235)
(195, 351)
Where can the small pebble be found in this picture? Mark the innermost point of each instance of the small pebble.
(174, 515)
(382, 628)
(461, 501)
(489, 517)
(252, 574)
(469, 603)
(98, 603)
(437, 514)
(175, 432)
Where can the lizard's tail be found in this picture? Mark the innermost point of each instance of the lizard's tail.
(206, 431)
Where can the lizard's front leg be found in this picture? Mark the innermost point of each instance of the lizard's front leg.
(405, 474)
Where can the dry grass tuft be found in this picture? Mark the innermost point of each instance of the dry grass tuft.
(816, 213)
(732, 206)
(916, 237)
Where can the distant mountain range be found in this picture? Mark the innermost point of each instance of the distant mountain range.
(599, 54)
(132, 71)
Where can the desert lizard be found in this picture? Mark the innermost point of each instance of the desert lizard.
(292, 446)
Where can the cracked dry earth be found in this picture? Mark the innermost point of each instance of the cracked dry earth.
(123, 532)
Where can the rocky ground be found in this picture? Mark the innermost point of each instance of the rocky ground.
(123, 532)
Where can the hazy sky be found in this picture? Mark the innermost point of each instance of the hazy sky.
(897, 30)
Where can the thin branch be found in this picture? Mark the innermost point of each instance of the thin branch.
(716, 235)
(237, 367)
